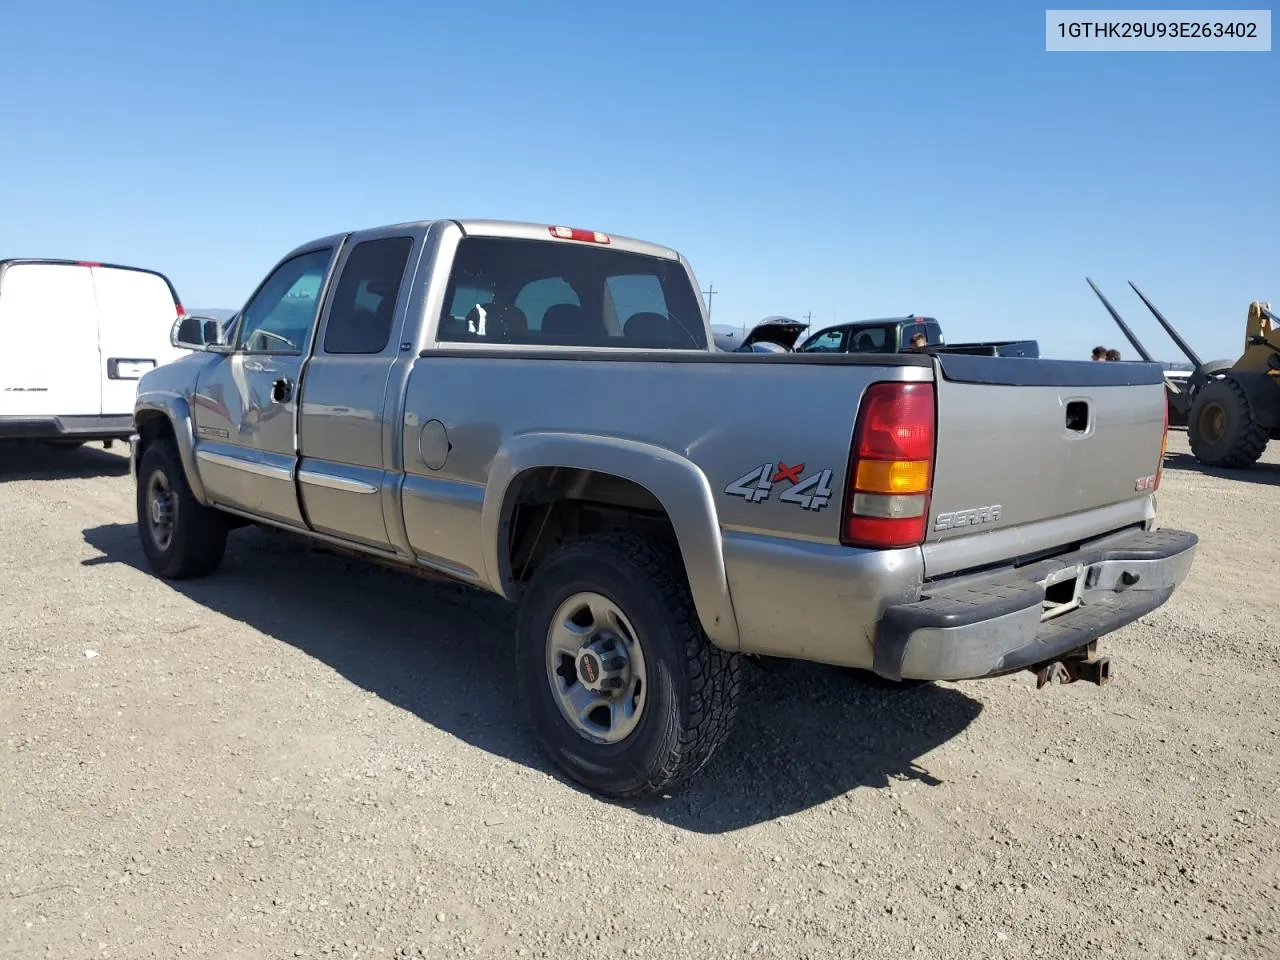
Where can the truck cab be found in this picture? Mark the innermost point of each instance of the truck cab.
(894, 335)
(887, 335)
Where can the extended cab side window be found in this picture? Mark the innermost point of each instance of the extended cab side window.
(364, 302)
(279, 317)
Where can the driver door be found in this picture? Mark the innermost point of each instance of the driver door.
(246, 405)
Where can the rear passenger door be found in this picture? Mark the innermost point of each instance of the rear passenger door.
(344, 433)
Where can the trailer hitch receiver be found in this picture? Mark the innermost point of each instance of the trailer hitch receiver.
(1084, 666)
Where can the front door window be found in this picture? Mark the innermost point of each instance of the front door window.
(279, 317)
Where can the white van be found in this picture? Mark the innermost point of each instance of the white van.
(74, 339)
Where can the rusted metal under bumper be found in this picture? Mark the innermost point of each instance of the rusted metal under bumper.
(1014, 619)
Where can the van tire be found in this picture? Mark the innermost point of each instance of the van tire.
(691, 687)
(181, 537)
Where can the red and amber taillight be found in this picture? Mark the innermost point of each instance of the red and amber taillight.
(891, 468)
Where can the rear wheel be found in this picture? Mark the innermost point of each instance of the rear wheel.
(1221, 429)
(181, 537)
(626, 693)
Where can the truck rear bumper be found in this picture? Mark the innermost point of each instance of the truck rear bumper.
(989, 624)
(114, 427)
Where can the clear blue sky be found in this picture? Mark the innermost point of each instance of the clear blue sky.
(849, 160)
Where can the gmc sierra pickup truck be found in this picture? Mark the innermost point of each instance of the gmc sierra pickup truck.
(541, 412)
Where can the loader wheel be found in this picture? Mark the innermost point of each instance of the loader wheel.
(626, 693)
(181, 537)
(1221, 428)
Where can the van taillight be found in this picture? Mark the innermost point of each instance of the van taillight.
(886, 501)
(181, 312)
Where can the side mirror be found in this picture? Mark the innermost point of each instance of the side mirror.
(197, 333)
(186, 333)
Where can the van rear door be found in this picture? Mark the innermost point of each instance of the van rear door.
(136, 312)
(48, 341)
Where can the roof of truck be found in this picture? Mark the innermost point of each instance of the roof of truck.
(520, 229)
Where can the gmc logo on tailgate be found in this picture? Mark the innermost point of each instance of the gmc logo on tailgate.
(967, 518)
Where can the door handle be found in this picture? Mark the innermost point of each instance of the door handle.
(282, 390)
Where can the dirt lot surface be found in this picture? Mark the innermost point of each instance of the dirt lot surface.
(305, 756)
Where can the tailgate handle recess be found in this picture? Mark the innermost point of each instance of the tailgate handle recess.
(1078, 416)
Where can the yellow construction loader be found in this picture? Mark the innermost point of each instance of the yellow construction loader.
(1231, 407)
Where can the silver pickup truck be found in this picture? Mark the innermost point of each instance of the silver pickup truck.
(541, 412)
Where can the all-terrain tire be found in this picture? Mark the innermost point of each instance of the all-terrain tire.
(1221, 428)
(198, 534)
(692, 686)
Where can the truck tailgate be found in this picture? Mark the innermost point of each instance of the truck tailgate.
(1037, 455)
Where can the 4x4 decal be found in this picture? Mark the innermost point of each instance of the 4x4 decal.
(811, 493)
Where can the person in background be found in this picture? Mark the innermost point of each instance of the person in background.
(1113, 354)
(1099, 353)
(921, 345)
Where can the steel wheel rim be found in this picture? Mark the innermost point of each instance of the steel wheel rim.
(596, 668)
(161, 509)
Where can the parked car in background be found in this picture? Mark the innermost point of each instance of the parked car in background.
(882, 335)
(75, 337)
(771, 335)
(894, 335)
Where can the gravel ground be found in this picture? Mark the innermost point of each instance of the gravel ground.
(306, 756)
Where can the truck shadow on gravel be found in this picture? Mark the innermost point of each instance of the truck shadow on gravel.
(20, 460)
(806, 734)
(1267, 474)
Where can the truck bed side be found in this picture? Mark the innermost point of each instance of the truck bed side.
(719, 419)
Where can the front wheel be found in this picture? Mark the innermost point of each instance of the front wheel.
(626, 692)
(181, 537)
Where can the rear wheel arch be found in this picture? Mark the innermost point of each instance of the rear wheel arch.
(661, 494)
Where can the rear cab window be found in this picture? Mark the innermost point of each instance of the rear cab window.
(523, 292)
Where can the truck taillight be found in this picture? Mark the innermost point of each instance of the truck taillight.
(886, 501)
(1164, 444)
(575, 233)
